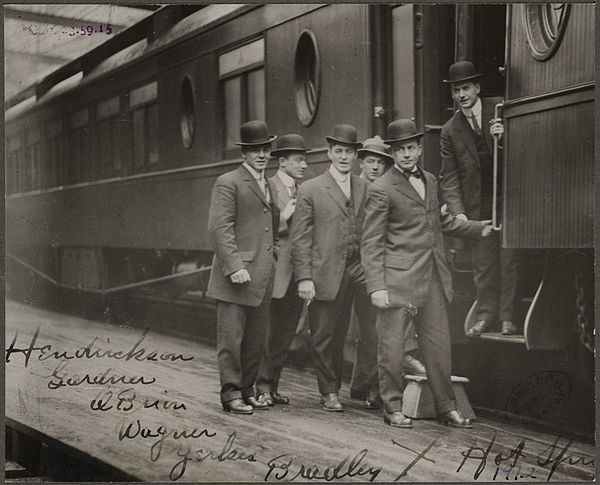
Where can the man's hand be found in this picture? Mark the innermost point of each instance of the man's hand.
(462, 217)
(240, 276)
(380, 298)
(306, 290)
(489, 228)
(496, 127)
(289, 209)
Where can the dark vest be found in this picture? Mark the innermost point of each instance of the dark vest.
(486, 164)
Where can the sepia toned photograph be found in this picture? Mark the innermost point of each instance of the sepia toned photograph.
(299, 242)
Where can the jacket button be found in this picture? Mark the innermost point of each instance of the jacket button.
(265, 211)
(268, 248)
(266, 229)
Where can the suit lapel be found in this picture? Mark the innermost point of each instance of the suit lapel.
(357, 192)
(465, 132)
(253, 185)
(402, 185)
(334, 191)
(487, 113)
(280, 191)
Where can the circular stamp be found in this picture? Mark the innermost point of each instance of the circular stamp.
(538, 396)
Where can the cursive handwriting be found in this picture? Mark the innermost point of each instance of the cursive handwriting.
(137, 352)
(561, 457)
(134, 429)
(59, 378)
(227, 453)
(480, 456)
(347, 467)
(126, 401)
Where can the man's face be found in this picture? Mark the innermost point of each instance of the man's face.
(372, 166)
(293, 164)
(406, 154)
(342, 157)
(465, 93)
(257, 156)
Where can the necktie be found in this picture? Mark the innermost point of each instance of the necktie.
(262, 182)
(415, 173)
(475, 125)
(293, 190)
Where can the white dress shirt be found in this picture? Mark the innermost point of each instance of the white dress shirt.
(417, 183)
(260, 179)
(475, 111)
(342, 179)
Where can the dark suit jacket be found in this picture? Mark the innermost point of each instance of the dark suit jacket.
(319, 231)
(460, 176)
(284, 268)
(243, 235)
(402, 239)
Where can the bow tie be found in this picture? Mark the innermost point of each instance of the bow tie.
(414, 173)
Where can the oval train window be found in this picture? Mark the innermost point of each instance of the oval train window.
(544, 25)
(307, 74)
(188, 119)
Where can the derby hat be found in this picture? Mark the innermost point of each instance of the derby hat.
(402, 130)
(255, 133)
(375, 146)
(344, 134)
(289, 143)
(462, 71)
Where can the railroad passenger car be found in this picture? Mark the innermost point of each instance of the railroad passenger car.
(110, 160)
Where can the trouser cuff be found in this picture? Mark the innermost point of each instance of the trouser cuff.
(263, 388)
(445, 406)
(248, 392)
(230, 396)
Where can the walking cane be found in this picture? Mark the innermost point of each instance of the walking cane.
(495, 183)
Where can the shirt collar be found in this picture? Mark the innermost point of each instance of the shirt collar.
(285, 178)
(475, 110)
(255, 173)
(339, 176)
(405, 173)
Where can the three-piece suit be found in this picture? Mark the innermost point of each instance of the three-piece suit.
(403, 253)
(326, 249)
(466, 179)
(242, 226)
(286, 305)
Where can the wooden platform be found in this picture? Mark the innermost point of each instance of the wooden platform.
(201, 443)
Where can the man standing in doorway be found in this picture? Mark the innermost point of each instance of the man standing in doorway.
(466, 185)
(286, 305)
(242, 226)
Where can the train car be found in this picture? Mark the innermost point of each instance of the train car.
(111, 159)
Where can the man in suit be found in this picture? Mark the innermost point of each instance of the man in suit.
(407, 275)
(466, 184)
(286, 305)
(326, 253)
(374, 160)
(242, 226)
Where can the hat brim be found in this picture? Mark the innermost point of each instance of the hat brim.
(462, 79)
(331, 139)
(411, 137)
(260, 142)
(376, 152)
(283, 150)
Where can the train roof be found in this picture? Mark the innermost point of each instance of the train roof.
(165, 27)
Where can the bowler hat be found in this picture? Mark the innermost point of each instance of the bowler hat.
(255, 133)
(289, 143)
(462, 71)
(402, 130)
(344, 134)
(376, 146)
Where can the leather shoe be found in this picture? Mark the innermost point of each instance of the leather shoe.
(256, 404)
(331, 402)
(237, 406)
(508, 328)
(482, 326)
(397, 419)
(266, 397)
(372, 401)
(280, 398)
(413, 366)
(454, 418)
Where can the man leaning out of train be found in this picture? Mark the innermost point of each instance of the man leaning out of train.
(407, 275)
(326, 254)
(242, 226)
(466, 185)
(286, 305)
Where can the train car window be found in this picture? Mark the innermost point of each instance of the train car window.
(109, 150)
(139, 138)
(307, 77)
(33, 172)
(144, 116)
(54, 138)
(186, 104)
(242, 89)
(78, 146)
(544, 24)
(152, 111)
